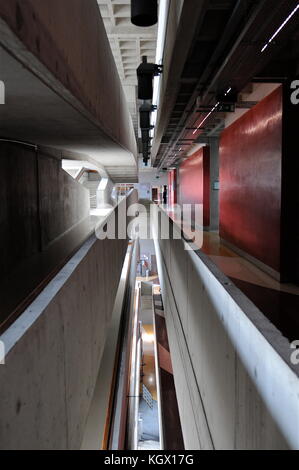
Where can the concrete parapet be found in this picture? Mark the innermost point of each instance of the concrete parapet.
(235, 383)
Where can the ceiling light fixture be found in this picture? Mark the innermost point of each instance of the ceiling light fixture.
(280, 28)
(162, 24)
(144, 13)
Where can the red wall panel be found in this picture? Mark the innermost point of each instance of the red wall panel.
(250, 181)
(172, 187)
(195, 182)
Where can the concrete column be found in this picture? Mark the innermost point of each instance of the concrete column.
(214, 179)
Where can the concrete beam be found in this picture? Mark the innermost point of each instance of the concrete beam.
(62, 88)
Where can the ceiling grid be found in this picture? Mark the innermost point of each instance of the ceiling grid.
(128, 44)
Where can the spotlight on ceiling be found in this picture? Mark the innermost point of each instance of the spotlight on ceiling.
(144, 12)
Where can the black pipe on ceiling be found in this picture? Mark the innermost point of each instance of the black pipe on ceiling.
(144, 13)
(145, 135)
(145, 116)
(145, 74)
(145, 119)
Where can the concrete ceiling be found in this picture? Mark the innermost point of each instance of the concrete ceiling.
(33, 112)
(221, 50)
(128, 43)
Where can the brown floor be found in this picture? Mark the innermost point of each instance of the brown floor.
(278, 302)
(173, 438)
(149, 367)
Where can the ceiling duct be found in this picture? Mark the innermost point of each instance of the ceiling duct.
(145, 74)
(145, 135)
(145, 116)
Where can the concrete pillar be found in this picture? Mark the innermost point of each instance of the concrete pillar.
(104, 193)
(214, 183)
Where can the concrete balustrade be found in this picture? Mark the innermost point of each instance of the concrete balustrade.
(235, 383)
(54, 350)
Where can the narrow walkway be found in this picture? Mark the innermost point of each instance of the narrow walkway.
(279, 302)
(173, 437)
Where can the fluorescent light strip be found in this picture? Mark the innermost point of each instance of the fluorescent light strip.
(162, 24)
(163, 12)
(228, 91)
(208, 115)
(280, 28)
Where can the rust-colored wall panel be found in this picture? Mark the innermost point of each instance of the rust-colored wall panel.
(172, 187)
(250, 181)
(195, 182)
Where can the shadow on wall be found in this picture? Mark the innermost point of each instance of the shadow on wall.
(39, 203)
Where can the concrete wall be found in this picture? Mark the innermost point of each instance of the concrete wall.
(96, 435)
(39, 203)
(69, 38)
(148, 180)
(63, 202)
(54, 349)
(235, 384)
(62, 85)
(150, 176)
(19, 234)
